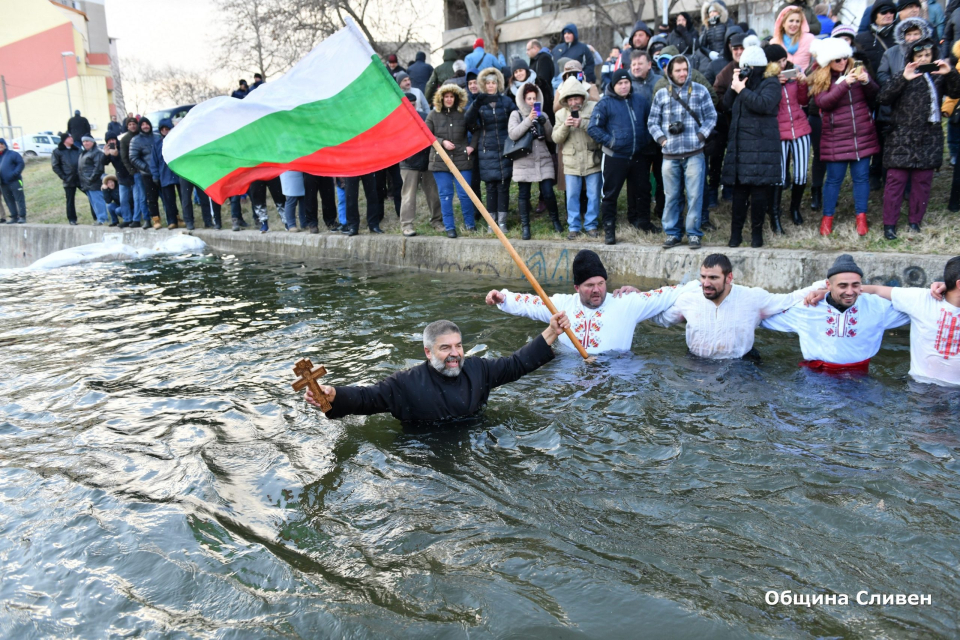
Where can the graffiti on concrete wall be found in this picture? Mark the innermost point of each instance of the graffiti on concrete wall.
(479, 268)
(543, 270)
(912, 276)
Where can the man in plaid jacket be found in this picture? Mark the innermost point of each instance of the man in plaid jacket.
(682, 132)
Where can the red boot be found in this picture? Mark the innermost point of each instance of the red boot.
(826, 225)
(862, 224)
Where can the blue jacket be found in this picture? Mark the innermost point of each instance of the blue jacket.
(11, 165)
(480, 59)
(619, 124)
(420, 72)
(578, 51)
(158, 166)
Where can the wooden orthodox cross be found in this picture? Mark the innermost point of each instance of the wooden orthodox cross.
(307, 376)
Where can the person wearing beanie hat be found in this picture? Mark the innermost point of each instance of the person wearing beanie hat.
(619, 126)
(78, 126)
(393, 65)
(90, 167)
(64, 161)
(520, 75)
(601, 322)
(792, 31)
(753, 165)
(406, 85)
(478, 43)
(844, 31)
(844, 330)
(795, 133)
(844, 92)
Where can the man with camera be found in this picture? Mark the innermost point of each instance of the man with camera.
(619, 125)
(681, 118)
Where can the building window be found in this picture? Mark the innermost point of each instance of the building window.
(512, 6)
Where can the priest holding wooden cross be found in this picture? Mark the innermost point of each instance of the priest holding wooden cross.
(445, 389)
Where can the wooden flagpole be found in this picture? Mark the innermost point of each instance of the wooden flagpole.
(506, 243)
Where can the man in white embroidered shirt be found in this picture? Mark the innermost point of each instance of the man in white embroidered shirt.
(722, 317)
(601, 322)
(842, 332)
(934, 326)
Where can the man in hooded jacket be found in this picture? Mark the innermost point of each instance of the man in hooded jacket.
(141, 157)
(573, 49)
(441, 73)
(11, 183)
(420, 72)
(64, 161)
(619, 125)
(639, 41)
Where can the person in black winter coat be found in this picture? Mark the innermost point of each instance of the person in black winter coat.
(487, 116)
(753, 161)
(78, 126)
(114, 127)
(64, 163)
(683, 34)
(875, 42)
(572, 48)
(420, 72)
(542, 64)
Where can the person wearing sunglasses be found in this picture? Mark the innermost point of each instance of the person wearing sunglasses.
(843, 91)
(914, 147)
(878, 38)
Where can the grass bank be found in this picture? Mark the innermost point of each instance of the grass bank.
(941, 228)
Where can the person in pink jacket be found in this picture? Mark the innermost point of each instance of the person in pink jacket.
(792, 32)
(794, 134)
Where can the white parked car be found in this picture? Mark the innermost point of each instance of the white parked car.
(39, 144)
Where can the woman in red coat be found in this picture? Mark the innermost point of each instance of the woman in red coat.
(843, 91)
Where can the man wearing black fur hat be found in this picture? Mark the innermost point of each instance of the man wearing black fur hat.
(601, 322)
(843, 331)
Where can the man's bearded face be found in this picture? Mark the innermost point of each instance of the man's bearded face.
(446, 356)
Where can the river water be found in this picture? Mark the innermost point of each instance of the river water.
(159, 478)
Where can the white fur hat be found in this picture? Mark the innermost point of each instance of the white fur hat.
(753, 57)
(830, 49)
(752, 41)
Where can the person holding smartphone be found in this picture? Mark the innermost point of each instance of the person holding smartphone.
(914, 147)
(795, 133)
(843, 91)
(537, 166)
(581, 158)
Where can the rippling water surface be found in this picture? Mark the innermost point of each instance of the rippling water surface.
(159, 478)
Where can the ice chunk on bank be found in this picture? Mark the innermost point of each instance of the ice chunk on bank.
(114, 249)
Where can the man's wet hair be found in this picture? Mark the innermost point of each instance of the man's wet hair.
(951, 273)
(436, 329)
(718, 260)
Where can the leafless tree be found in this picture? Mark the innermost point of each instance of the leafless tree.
(147, 87)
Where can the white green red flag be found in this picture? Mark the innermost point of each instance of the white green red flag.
(337, 113)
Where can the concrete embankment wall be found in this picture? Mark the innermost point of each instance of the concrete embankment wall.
(773, 269)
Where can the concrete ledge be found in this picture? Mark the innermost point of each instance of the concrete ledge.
(773, 269)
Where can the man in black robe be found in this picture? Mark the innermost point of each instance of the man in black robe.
(447, 387)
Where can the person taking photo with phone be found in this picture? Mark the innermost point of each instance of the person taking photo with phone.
(537, 165)
(914, 147)
(795, 133)
(753, 164)
(581, 157)
(843, 91)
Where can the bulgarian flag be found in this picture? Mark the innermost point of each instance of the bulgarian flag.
(337, 113)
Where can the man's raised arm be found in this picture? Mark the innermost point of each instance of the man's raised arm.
(521, 304)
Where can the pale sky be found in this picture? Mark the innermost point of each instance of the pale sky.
(183, 32)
